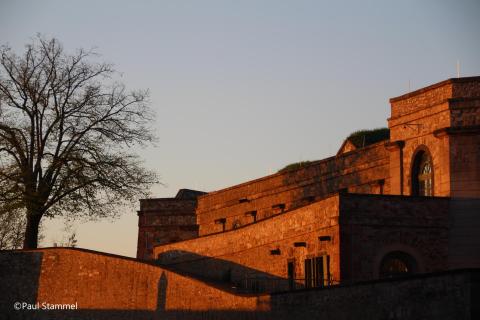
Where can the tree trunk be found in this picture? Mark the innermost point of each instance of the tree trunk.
(31, 231)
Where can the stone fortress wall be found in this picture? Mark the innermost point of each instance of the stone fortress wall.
(359, 230)
(112, 287)
(362, 171)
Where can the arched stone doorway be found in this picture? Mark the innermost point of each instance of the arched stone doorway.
(396, 264)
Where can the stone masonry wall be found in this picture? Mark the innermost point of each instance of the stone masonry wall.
(364, 171)
(427, 119)
(372, 226)
(105, 287)
(112, 287)
(420, 99)
(362, 230)
(440, 296)
(465, 111)
(464, 139)
(437, 93)
(416, 131)
(246, 252)
(164, 221)
(465, 165)
(464, 239)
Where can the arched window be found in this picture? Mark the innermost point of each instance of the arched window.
(397, 264)
(422, 175)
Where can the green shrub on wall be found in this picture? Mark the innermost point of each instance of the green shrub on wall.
(363, 138)
(295, 166)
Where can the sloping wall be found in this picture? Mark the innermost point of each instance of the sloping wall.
(105, 286)
(246, 252)
(113, 287)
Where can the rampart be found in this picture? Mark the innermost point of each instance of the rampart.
(105, 287)
(113, 287)
(361, 171)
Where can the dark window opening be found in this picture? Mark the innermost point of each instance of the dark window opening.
(299, 244)
(317, 272)
(381, 184)
(291, 274)
(275, 252)
(308, 273)
(223, 222)
(252, 214)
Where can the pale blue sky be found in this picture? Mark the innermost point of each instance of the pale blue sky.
(242, 88)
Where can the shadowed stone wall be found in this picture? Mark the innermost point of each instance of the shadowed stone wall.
(162, 221)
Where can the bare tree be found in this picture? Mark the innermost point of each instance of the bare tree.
(65, 132)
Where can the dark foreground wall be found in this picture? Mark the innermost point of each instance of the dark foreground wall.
(112, 287)
(452, 295)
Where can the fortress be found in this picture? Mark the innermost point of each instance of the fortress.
(391, 202)
(388, 228)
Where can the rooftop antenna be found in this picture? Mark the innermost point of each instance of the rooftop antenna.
(458, 68)
(409, 85)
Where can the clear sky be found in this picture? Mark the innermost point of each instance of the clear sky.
(242, 88)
